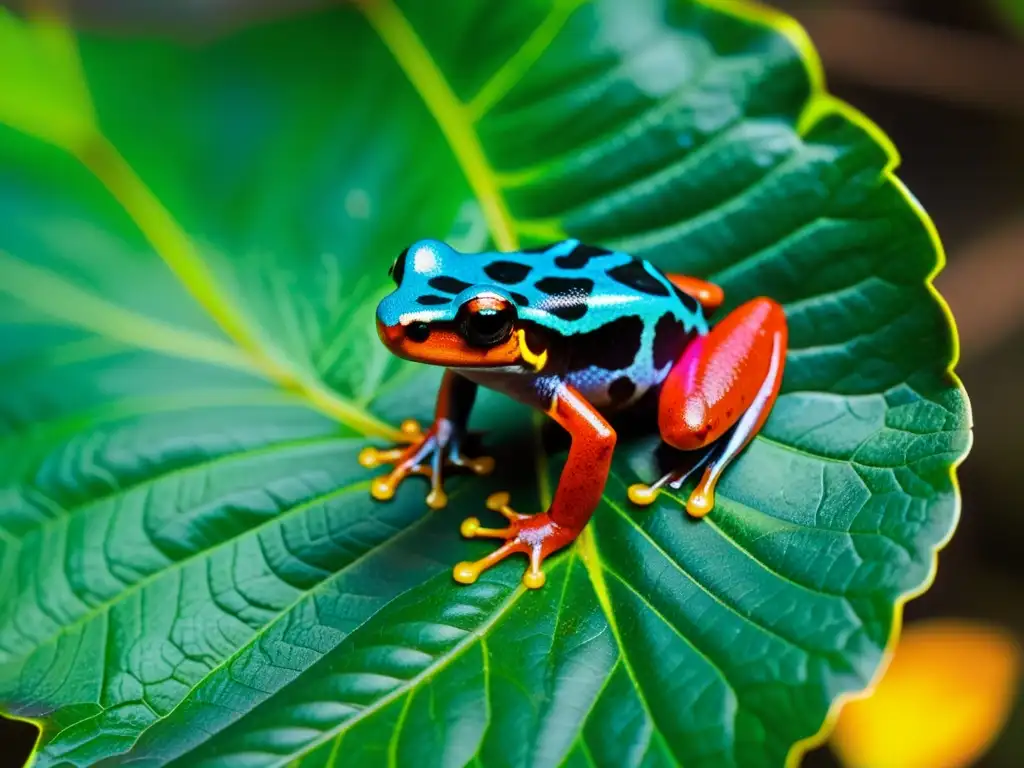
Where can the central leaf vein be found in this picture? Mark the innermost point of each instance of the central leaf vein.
(452, 116)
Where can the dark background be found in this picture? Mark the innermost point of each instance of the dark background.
(945, 80)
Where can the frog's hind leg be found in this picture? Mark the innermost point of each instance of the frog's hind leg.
(725, 382)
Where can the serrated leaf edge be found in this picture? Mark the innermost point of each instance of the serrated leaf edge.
(820, 105)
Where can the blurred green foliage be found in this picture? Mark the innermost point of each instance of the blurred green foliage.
(1012, 11)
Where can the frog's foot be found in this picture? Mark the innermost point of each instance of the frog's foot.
(427, 454)
(701, 500)
(535, 536)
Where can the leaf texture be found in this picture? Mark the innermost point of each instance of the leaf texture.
(191, 568)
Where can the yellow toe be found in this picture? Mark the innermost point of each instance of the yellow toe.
(469, 527)
(411, 428)
(496, 501)
(700, 503)
(482, 465)
(437, 499)
(534, 579)
(465, 573)
(368, 457)
(642, 495)
(382, 489)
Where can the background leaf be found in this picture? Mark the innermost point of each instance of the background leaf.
(1012, 11)
(192, 569)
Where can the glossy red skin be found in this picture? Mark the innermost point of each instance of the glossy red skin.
(719, 375)
(590, 458)
(579, 488)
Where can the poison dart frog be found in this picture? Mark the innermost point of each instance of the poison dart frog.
(579, 332)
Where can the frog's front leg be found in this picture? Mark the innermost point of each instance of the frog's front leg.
(432, 452)
(577, 496)
(726, 380)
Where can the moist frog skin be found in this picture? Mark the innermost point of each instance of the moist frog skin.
(578, 332)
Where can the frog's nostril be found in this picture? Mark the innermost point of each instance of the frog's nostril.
(417, 332)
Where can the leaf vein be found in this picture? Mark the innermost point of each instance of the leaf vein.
(516, 66)
(176, 566)
(452, 118)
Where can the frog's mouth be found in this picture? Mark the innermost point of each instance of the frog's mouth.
(441, 344)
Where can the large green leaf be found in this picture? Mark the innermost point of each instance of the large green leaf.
(191, 567)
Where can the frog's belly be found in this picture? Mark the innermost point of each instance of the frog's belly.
(607, 390)
(613, 390)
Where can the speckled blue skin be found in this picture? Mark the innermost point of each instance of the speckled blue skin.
(611, 339)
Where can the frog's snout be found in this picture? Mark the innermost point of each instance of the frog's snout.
(437, 343)
(389, 336)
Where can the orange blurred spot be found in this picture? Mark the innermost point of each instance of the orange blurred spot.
(941, 704)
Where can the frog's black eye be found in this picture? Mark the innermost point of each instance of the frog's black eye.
(397, 270)
(418, 332)
(486, 321)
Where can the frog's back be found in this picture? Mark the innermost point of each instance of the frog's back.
(576, 288)
(622, 320)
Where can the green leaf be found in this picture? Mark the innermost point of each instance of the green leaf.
(44, 92)
(191, 567)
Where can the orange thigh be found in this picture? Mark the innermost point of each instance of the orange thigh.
(721, 375)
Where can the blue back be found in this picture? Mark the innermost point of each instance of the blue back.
(619, 321)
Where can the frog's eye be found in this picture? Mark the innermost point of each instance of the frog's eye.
(397, 270)
(486, 320)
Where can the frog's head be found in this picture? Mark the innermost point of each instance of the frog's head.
(444, 312)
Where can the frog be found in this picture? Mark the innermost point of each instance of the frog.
(581, 333)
